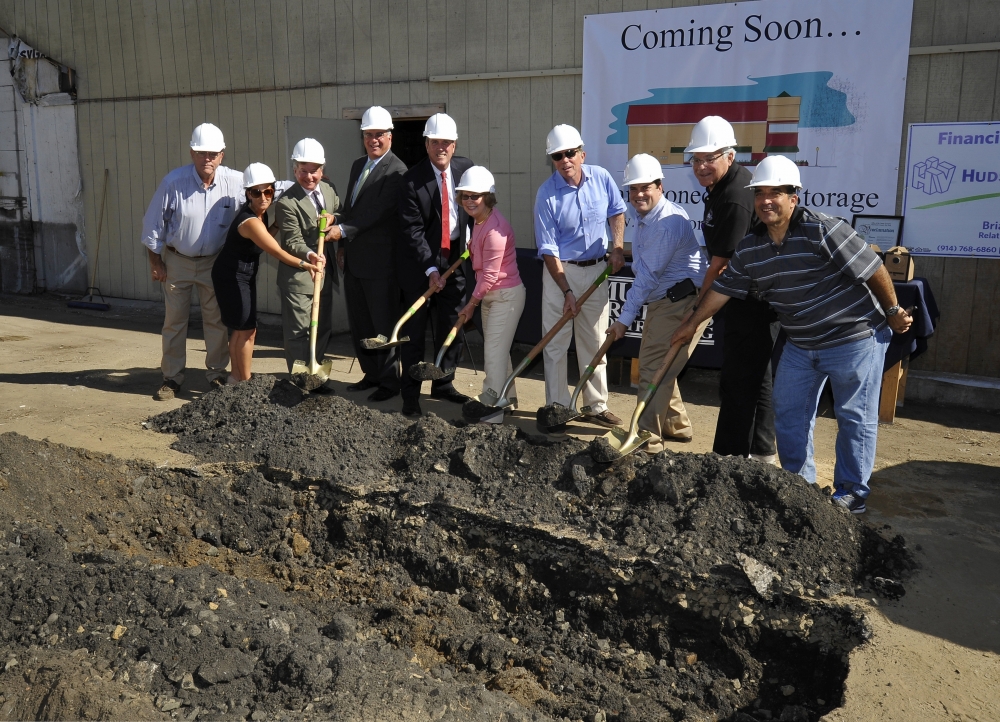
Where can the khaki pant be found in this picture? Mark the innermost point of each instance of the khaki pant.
(501, 309)
(665, 414)
(588, 328)
(184, 275)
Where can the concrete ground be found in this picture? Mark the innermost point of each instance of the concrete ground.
(86, 379)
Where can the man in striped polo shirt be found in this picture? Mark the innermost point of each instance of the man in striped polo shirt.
(837, 305)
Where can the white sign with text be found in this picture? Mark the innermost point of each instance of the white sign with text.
(794, 78)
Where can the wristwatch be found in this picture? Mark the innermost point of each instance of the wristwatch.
(302, 264)
(891, 311)
(567, 291)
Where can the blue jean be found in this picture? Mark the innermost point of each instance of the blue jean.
(855, 373)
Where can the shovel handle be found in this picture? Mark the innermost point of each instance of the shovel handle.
(447, 341)
(553, 331)
(427, 294)
(633, 428)
(317, 288)
(589, 371)
(567, 316)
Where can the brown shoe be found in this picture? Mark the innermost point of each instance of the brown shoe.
(605, 418)
(167, 391)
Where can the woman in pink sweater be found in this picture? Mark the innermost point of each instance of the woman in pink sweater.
(498, 284)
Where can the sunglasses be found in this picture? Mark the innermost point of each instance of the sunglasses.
(568, 153)
(471, 196)
(257, 192)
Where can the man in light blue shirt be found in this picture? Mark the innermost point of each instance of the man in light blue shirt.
(183, 231)
(573, 209)
(669, 267)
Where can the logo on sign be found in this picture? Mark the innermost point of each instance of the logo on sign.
(933, 175)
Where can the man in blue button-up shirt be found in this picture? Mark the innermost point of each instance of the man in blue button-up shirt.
(573, 209)
(668, 266)
(183, 230)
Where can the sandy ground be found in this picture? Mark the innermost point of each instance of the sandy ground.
(86, 379)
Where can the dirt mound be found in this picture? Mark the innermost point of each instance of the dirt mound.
(374, 568)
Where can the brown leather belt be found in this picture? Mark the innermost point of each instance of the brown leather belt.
(584, 264)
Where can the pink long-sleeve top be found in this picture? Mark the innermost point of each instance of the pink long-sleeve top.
(494, 258)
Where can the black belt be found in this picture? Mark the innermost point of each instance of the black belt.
(584, 264)
(184, 255)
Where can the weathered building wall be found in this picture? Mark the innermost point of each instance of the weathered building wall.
(42, 244)
(150, 71)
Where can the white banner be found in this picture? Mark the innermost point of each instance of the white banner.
(951, 200)
(820, 81)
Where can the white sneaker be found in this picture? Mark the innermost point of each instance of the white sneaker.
(771, 459)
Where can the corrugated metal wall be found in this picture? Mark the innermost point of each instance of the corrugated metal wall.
(150, 71)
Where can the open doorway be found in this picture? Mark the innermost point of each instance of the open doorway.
(408, 140)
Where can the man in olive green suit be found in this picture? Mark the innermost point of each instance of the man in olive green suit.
(297, 212)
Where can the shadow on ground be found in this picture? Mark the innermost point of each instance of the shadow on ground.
(949, 513)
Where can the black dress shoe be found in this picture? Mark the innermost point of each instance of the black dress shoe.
(362, 385)
(382, 393)
(411, 408)
(449, 393)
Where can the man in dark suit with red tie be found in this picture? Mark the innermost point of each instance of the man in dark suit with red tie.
(433, 237)
(366, 231)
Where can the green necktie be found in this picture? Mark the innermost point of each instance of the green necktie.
(361, 180)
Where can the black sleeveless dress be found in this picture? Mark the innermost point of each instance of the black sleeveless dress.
(234, 276)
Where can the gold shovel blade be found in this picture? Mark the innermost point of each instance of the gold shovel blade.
(619, 440)
(321, 371)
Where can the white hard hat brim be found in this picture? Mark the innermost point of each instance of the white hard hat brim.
(641, 181)
(706, 148)
(202, 148)
(563, 146)
(774, 184)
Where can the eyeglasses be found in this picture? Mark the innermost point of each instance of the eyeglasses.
(257, 192)
(373, 134)
(208, 154)
(568, 153)
(707, 161)
(471, 196)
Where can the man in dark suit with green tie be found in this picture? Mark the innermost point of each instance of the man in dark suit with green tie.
(298, 212)
(367, 230)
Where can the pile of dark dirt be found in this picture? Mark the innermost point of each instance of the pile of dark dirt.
(375, 568)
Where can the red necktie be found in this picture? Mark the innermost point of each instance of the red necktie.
(445, 216)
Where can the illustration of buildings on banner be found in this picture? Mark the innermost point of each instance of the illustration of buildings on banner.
(762, 127)
(767, 116)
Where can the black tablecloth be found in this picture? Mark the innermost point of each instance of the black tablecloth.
(916, 294)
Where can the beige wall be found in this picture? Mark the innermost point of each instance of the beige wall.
(151, 70)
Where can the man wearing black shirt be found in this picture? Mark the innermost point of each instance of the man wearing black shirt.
(746, 417)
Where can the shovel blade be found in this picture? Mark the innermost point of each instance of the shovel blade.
(311, 376)
(424, 371)
(618, 439)
(380, 342)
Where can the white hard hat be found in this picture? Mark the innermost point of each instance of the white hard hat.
(712, 133)
(207, 137)
(641, 169)
(442, 126)
(376, 118)
(257, 174)
(477, 180)
(776, 170)
(562, 137)
(309, 150)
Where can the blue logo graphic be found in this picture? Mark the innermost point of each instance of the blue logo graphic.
(932, 176)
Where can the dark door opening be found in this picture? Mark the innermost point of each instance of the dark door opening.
(408, 140)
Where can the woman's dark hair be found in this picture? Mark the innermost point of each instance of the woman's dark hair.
(490, 199)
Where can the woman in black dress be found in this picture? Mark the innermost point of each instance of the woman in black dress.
(234, 274)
